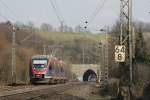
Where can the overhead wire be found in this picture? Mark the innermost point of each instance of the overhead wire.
(59, 17)
(58, 9)
(3, 17)
(10, 10)
(97, 10)
(95, 13)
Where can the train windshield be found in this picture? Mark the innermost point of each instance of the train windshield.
(39, 64)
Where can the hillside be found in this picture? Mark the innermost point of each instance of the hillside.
(24, 51)
(27, 44)
(73, 45)
(66, 36)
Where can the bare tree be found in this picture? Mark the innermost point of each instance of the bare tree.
(30, 24)
(65, 28)
(79, 29)
(46, 27)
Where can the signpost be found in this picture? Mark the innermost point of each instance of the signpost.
(120, 53)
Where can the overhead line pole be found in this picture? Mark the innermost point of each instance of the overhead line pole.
(130, 41)
(126, 26)
(13, 71)
(44, 49)
(104, 69)
(107, 30)
(121, 21)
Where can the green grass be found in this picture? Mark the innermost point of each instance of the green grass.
(66, 36)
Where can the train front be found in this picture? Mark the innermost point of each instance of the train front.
(38, 68)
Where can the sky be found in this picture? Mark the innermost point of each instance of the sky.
(73, 12)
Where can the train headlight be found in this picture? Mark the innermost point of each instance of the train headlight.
(42, 66)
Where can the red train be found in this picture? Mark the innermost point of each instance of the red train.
(47, 69)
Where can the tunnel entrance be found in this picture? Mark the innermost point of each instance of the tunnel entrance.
(89, 75)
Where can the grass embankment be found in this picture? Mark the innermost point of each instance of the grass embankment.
(73, 45)
(66, 36)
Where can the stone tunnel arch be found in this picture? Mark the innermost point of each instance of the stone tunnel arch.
(88, 73)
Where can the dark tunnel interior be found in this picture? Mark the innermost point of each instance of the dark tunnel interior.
(89, 75)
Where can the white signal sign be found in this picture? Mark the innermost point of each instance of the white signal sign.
(120, 53)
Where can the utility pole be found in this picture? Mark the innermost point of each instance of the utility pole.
(100, 50)
(83, 48)
(130, 44)
(104, 58)
(49, 50)
(83, 55)
(62, 26)
(130, 38)
(13, 71)
(44, 49)
(106, 52)
(61, 51)
(102, 72)
(126, 32)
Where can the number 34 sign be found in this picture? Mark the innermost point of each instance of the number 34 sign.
(120, 53)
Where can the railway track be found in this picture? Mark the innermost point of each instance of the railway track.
(36, 92)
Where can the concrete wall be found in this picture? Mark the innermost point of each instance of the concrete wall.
(80, 69)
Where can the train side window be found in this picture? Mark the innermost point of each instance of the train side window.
(56, 68)
(50, 67)
(59, 69)
(62, 70)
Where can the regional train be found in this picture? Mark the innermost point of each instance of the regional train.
(47, 69)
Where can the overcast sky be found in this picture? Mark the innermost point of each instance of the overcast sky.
(74, 12)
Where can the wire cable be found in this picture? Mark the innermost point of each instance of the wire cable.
(3, 17)
(97, 10)
(56, 11)
(10, 10)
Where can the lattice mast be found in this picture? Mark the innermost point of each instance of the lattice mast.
(126, 32)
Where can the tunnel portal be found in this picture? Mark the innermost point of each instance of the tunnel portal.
(89, 75)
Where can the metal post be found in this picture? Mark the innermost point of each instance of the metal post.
(83, 49)
(62, 26)
(126, 18)
(130, 41)
(44, 49)
(102, 62)
(13, 56)
(133, 41)
(106, 50)
(121, 21)
(83, 55)
(126, 26)
(61, 50)
(104, 58)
